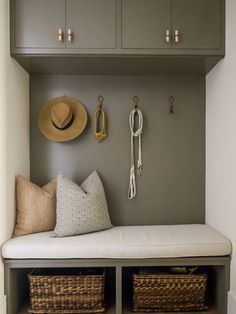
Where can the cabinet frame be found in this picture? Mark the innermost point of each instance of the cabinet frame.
(17, 270)
(117, 60)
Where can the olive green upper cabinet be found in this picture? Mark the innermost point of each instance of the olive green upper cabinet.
(150, 27)
(49, 24)
(39, 24)
(196, 24)
(146, 24)
(178, 24)
(91, 23)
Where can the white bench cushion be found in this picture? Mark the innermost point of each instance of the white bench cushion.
(123, 242)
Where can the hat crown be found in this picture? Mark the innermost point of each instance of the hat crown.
(61, 114)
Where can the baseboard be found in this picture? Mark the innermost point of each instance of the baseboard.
(231, 303)
(3, 304)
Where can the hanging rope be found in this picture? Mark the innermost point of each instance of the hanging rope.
(100, 134)
(135, 134)
(99, 116)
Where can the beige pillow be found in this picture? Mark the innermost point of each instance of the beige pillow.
(36, 207)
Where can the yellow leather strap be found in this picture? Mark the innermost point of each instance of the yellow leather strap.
(100, 134)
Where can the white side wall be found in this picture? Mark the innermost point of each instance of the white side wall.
(14, 133)
(221, 145)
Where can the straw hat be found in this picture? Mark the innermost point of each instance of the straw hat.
(62, 119)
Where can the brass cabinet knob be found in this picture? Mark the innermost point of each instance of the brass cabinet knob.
(60, 35)
(69, 35)
(167, 36)
(177, 36)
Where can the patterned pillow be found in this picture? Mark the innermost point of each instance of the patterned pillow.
(36, 207)
(81, 209)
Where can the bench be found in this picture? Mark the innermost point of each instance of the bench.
(121, 249)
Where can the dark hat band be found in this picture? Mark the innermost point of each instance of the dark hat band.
(67, 125)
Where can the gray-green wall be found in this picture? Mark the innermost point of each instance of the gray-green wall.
(171, 189)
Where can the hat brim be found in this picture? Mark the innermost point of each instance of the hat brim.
(78, 125)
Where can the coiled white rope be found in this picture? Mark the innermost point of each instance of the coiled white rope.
(132, 181)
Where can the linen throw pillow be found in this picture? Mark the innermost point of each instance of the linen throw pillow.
(80, 209)
(36, 207)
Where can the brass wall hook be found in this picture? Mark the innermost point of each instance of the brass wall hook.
(136, 101)
(171, 101)
(100, 101)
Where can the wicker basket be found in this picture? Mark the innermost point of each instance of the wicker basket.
(169, 292)
(66, 293)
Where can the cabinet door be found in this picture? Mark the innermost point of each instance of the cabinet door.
(37, 23)
(198, 23)
(145, 22)
(92, 23)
